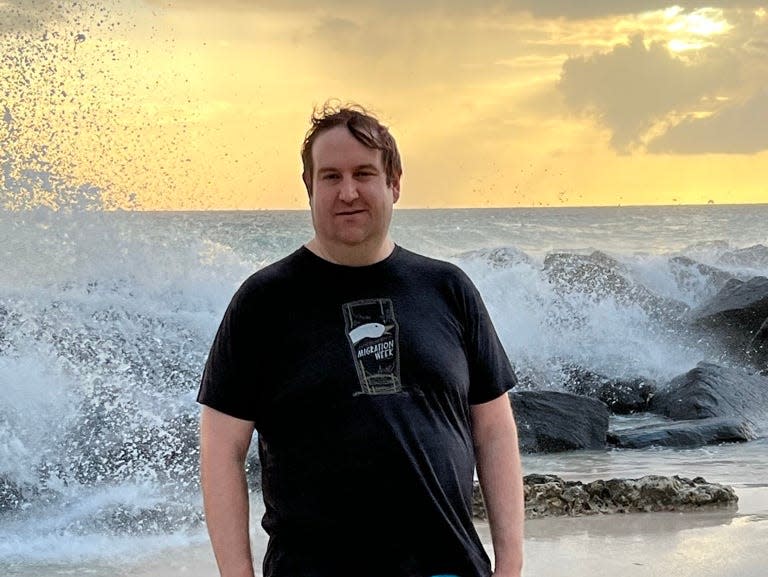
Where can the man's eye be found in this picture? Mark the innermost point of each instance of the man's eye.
(365, 173)
(330, 176)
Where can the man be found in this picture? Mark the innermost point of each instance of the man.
(375, 381)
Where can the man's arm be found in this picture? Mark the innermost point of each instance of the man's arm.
(500, 473)
(224, 442)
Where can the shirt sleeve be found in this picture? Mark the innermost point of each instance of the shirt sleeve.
(228, 382)
(491, 373)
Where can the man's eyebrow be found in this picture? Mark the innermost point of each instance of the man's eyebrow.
(369, 166)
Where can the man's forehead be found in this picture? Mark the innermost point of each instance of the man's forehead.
(338, 147)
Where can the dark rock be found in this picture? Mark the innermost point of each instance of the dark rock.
(551, 496)
(688, 272)
(602, 277)
(713, 391)
(757, 349)
(553, 421)
(622, 396)
(500, 257)
(755, 256)
(128, 520)
(735, 314)
(253, 467)
(12, 496)
(695, 433)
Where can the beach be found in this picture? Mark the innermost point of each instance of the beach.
(697, 544)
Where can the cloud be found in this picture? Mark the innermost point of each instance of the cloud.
(568, 9)
(708, 99)
(633, 87)
(602, 8)
(738, 129)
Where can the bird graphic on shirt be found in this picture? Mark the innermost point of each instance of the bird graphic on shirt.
(367, 331)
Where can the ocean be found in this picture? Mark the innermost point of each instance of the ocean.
(106, 319)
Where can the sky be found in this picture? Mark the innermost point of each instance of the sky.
(198, 105)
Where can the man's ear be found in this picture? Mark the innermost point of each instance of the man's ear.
(395, 189)
(307, 180)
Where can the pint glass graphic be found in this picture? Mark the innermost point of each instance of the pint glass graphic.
(372, 333)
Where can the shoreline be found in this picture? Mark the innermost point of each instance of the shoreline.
(708, 543)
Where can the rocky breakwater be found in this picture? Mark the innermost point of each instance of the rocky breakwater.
(737, 319)
(551, 496)
(707, 405)
(722, 400)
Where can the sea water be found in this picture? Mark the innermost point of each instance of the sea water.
(106, 319)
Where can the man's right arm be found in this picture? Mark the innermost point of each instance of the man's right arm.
(224, 442)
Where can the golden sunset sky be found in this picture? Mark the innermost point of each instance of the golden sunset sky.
(192, 104)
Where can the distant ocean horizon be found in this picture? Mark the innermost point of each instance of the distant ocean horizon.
(106, 319)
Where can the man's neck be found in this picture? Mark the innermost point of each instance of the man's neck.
(352, 255)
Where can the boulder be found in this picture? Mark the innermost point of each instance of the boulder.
(123, 519)
(735, 314)
(551, 496)
(499, 257)
(757, 349)
(553, 421)
(688, 272)
(713, 391)
(602, 277)
(622, 396)
(695, 433)
(755, 256)
(11, 496)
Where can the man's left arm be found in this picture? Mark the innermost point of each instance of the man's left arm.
(500, 473)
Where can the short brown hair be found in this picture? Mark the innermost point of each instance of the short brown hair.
(366, 129)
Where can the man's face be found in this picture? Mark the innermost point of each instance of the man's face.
(351, 201)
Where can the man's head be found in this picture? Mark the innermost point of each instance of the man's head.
(363, 126)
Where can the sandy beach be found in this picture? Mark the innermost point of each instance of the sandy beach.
(700, 544)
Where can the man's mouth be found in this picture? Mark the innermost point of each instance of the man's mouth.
(349, 212)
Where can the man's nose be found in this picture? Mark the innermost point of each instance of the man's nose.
(348, 190)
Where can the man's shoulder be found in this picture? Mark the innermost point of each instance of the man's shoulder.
(428, 264)
(273, 277)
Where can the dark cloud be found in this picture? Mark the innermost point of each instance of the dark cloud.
(737, 129)
(632, 87)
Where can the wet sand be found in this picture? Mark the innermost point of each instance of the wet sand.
(724, 543)
(715, 543)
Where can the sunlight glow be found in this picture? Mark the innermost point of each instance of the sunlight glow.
(702, 22)
(678, 45)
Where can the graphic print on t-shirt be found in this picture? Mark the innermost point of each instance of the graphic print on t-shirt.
(372, 333)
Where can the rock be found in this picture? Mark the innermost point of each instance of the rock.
(713, 391)
(757, 349)
(623, 397)
(129, 520)
(12, 496)
(695, 433)
(688, 272)
(500, 257)
(551, 496)
(755, 256)
(253, 466)
(735, 314)
(553, 421)
(602, 277)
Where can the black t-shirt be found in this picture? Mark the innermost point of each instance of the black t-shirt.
(359, 381)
